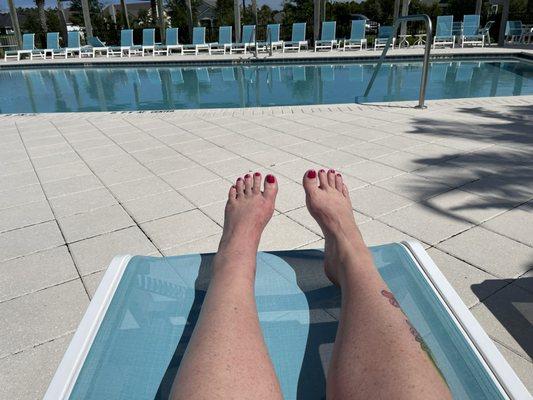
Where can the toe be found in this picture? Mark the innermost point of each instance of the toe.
(345, 192)
(271, 187)
(331, 178)
(323, 179)
(338, 182)
(232, 195)
(256, 187)
(240, 187)
(310, 182)
(248, 182)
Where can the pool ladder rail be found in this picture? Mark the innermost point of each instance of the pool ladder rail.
(423, 81)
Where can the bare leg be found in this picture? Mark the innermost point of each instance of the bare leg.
(226, 356)
(375, 355)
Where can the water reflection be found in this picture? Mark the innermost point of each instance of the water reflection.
(149, 88)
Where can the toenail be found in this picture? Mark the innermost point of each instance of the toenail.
(247, 176)
(311, 173)
(270, 178)
(332, 171)
(322, 170)
(257, 174)
(339, 175)
(239, 179)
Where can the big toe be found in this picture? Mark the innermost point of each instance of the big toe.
(310, 181)
(271, 187)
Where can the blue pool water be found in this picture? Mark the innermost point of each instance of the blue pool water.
(165, 88)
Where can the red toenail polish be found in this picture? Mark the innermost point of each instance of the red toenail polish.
(239, 179)
(311, 174)
(332, 171)
(247, 176)
(322, 170)
(339, 175)
(270, 179)
(257, 174)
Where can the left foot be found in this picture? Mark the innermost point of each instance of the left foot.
(248, 210)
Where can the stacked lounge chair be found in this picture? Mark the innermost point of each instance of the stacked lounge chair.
(198, 42)
(327, 41)
(357, 36)
(298, 41)
(471, 32)
(52, 46)
(514, 31)
(444, 33)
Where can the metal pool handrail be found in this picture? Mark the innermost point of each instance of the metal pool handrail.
(424, 79)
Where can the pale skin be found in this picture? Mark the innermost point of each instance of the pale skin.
(375, 354)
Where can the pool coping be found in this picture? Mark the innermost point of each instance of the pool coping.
(334, 57)
(433, 104)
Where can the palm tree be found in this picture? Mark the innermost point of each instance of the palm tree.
(15, 22)
(124, 11)
(42, 15)
(87, 18)
(62, 19)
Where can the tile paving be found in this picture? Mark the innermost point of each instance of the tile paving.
(77, 189)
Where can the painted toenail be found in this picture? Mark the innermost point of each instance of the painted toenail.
(322, 170)
(331, 171)
(257, 174)
(270, 179)
(239, 179)
(247, 176)
(311, 174)
(339, 175)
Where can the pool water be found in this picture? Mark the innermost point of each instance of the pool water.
(168, 88)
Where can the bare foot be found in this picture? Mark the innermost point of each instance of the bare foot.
(329, 203)
(248, 210)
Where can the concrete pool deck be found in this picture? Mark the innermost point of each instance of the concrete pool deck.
(78, 188)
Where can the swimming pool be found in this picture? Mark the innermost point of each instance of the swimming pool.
(143, 87)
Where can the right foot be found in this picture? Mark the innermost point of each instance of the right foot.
(247, 212)
(328, 201)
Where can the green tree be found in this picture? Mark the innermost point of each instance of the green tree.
(179, 17)
(224, 12)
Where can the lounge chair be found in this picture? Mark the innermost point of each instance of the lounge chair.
(357, 36)
(148, 41)
(96, 46)
(298, 41)
(126, 45)
(272, 38)
(145, 309)
(471, 32)
(382, 37)
(513, 31)
(444, 33)
(247, 40)
(28, 47)
(327, 40)
(73, 44)
(171, 43)
(198, 42)
(224, 40)
(52, 46)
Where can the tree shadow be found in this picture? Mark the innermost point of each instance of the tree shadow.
(513, 307)
(495, 163)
